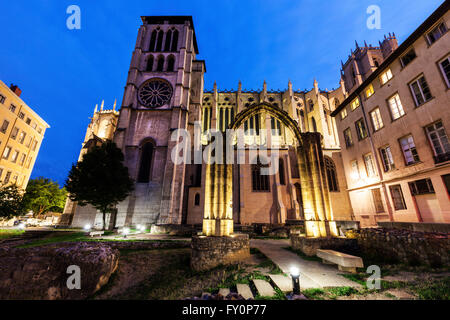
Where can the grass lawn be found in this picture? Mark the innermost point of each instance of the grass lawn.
(8, 233)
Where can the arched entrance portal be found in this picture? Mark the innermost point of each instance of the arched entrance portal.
(314, 188)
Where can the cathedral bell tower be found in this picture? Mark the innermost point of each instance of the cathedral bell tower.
(163, 93)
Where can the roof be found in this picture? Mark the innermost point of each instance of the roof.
(425, 26)
(171, 20)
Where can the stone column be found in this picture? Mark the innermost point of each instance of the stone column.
(291, 189)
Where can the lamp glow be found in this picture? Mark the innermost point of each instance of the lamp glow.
(294, 271)
(125, 232)
(87, 227)
(295, 274)
(21, 226)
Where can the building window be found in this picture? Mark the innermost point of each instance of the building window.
(439, 141)
(354, 104)
(330, 168)
(314, 125)
(355, 171)
(444, 65)
(12, 108)
(146, 163)
(29, 162)
(5, 126)
(149, 67)
(21, 115)
(2, 99)
(361, 129)
(344, 113)
(22, 159)
(207, 115)
(281, 172)
(252, 125)
(260, 182)
(436, 33)
(369, 91)
(14, 157)
(7, 177)
(197, 199)
(28, 121)
(22, 137)
(397, 197)
(420, 90)
(370, 169)
(276, 126)
(388, 160)
(34, 145)
(445, 178)
(156, 40)
(174, 45)
(6, 152)
(311, 105)
(377, 121)
(408, 57)
(423, 186)
(160, 64)
(14, 133)
(171, 64)
(348, 137)
(386, 76)
(409, 150)
(377, 200)
(1, 173)
(396, 107)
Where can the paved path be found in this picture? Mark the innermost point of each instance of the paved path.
(313, 274)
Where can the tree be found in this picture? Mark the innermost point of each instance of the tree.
(100, 179)
(43, 195)
(10, 201)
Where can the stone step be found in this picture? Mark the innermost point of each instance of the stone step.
(244, 291)
(264, 288)
(283, 282)
(224, 291)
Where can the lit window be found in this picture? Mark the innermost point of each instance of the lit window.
(388, 160)
(369, 91)
(361, 129)
(445, 69)
(344, 113)
(355, 171)
(377, 121)
(14, 157)
(420, 90)
(276, 126)
(436, 33)
(396, 107)
(6, 153)
(22, 137)
(22, 159)
(14, 133)
(386, 76)
(397, 197)
(368, 161)
(354, 104)
(7, 177)
(423, 186)
(439, 141)
(348, 137)
(408, 57)
(330, 167)
(409, 150)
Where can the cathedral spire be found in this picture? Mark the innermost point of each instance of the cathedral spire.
(96, 108)
(103, 104)
(115, 103)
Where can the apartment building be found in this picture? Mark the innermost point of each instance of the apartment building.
(21, 135)
(394, 126)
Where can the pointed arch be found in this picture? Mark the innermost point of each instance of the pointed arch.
(147, 149)
(174, 46)
(159, 41)
(151, 47)
(150, 61)
(168, 40)
(314, 124)
(330, 167)
(160, 63)
(171, 63)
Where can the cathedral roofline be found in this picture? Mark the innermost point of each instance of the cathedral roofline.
(171, 20)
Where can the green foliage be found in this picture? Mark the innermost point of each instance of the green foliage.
(10, 201)
(436, 290)
(100, 179)
(43, 195)
(9, 233)
(314, 293)
(302, 255)
(360, 278)
(342, 291)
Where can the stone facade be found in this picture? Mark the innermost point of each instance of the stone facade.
(309, 246)
(210, 252)
(22, 131)
(398, 169)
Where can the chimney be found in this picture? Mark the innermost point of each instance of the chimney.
(16, 90)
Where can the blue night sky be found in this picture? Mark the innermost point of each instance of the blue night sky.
(64, 73)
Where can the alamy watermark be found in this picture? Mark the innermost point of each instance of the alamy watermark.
(74, 280)
(374, 20)
(73, 22)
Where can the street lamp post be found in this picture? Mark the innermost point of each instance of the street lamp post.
(295, 274)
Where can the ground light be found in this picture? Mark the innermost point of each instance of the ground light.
(21, 226)
(125, 232)
(295, 274)
(87, 228)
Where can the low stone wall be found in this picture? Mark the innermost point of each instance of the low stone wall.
(309, 246)
(187, 230)
(147, 245)
(210, 252)
(416, 226)
(405, 246)
(40, 273)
